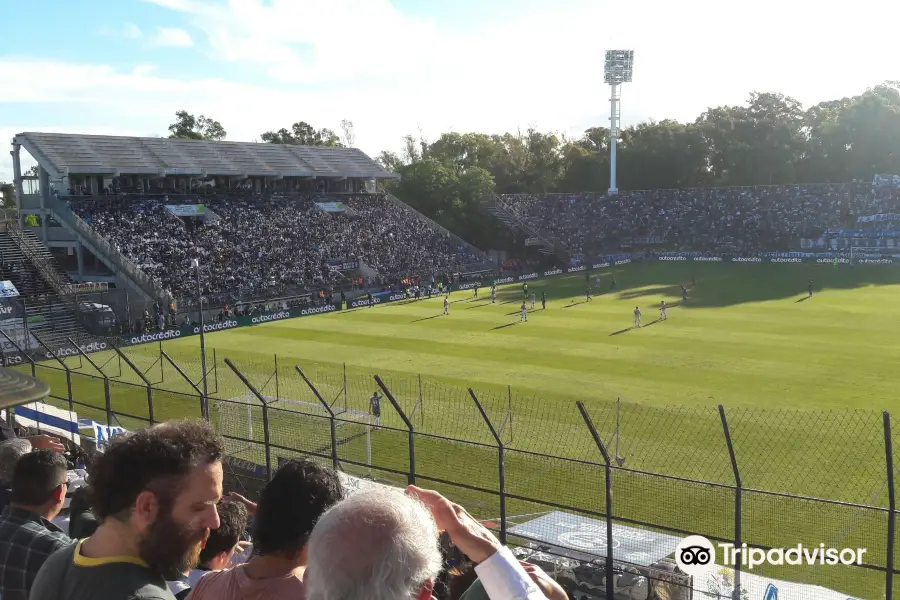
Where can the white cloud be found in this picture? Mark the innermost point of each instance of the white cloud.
(392, 74)
(169, 37)
(165, 37)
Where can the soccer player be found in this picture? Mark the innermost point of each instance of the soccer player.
(525, 288)
(369, 299)
(587, 294)
(612, 285)
(662, 311)
(524, 316)
(476, 289)
(683, 294)
(533, 299)
(809, 288)
(447, 304)
(637, 317)
(375, 409)
(493, 294)
(543, 301)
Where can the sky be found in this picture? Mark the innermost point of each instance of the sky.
(425, 67)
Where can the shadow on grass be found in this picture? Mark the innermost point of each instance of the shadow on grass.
(621, 331)
(803, 299)
(504, 326)
(575, 304)
(427, 318)
(479, 305)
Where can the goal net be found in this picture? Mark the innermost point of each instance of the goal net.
(296, 427)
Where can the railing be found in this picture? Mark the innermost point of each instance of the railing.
(546, 472)
(103, 249)
(556, 247)
(37, 258)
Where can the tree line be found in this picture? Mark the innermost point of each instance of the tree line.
(770, 140)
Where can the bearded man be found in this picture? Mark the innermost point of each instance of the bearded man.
(155, 493)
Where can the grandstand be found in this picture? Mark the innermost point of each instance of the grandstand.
(263, 220)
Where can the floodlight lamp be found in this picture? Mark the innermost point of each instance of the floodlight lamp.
(619, 66)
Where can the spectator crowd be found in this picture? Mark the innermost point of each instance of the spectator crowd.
(158, 526)
(727, 220)
(266, 246)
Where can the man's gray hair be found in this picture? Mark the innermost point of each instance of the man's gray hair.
(375, 545)
(10, 453)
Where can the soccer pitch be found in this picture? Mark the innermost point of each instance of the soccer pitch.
(802, 381)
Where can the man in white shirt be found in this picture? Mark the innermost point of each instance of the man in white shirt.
(383, 545)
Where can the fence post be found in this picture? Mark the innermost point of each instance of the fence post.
(411, 476)
(609, 505)
(188, 379)
(334, 452)
(736, 594)
(346, 400)
(106, 392)
(889, 462)
(215, 372)
(501, 467)
(277, 389)
(162, 372)
(139, 374)
(265, 415)
(509, 410)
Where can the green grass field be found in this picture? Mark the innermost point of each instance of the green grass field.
(803, 382)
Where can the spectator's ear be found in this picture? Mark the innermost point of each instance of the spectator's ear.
(146, 509)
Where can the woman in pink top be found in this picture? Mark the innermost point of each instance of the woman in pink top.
(288, 509)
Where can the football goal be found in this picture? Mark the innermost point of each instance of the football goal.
(303, 427)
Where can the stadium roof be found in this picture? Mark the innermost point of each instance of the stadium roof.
(63, 154)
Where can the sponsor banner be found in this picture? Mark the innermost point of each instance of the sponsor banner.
(874, 261)
(886, 180)
(741, 259)
(83, 288)
(169, 334)
(577, 269)
(602, 265)
(46, 418)
(468, 285)
(503, 280)
(331, 207)
(671, 257)
(187, 210)
(624, 261)
(841, 261)
(267, 318)
(342, 264)
(879, 217)
(63, 351)
(12, 359)
(208, 327)
(553, 272)
(7, 311)
(708, 258)
(787, 260)
(379, 298)
(8, 290)
(527, 276)
(314, 310)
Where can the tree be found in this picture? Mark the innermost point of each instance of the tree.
(8, 192)
(189, 127)
(349, 134)
(32, 171)
(302, 133)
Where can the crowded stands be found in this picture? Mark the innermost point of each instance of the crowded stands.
(733, 220)
(273, 245)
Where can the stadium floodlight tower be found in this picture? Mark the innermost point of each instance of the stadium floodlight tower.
(618, 69)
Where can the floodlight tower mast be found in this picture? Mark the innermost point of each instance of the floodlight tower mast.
(618, 69)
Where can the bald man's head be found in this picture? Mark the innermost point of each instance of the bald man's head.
(376, 545)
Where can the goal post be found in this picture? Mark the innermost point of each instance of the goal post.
(299, 426)
(858, 252)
